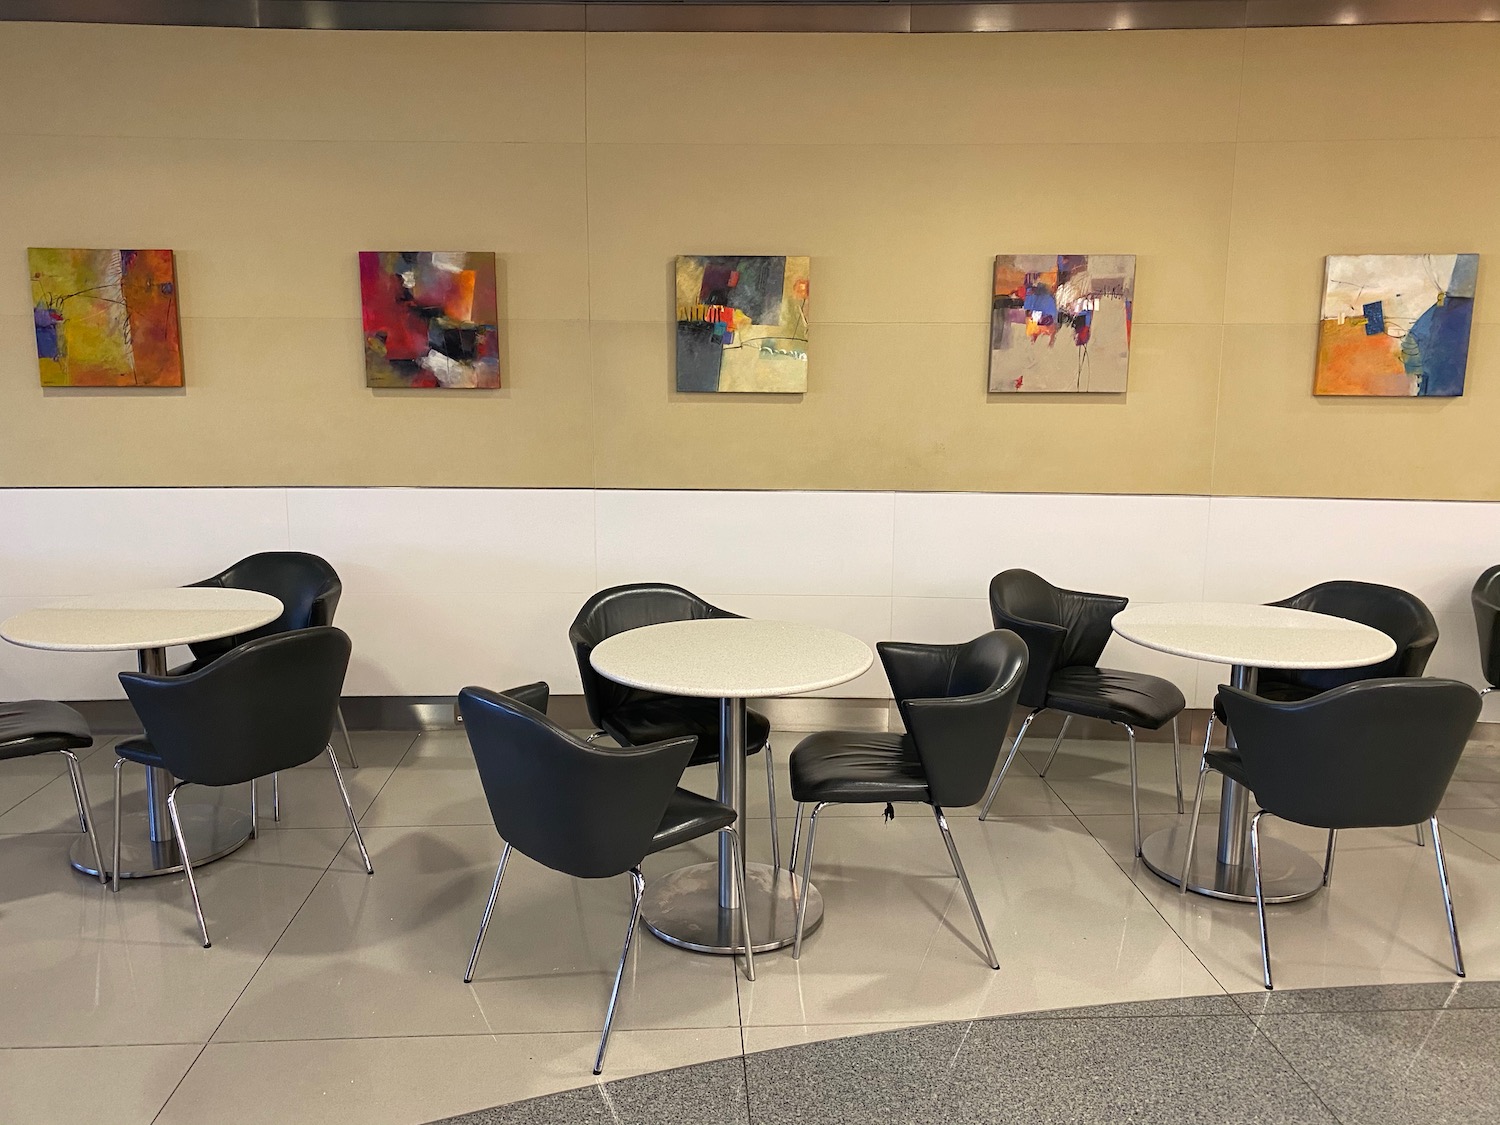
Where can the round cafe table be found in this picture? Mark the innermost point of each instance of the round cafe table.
(1247, 637)
(730, 659)
(150, 621)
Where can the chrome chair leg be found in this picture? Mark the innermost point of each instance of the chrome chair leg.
(771, 799)
(591, 739)
(737, 846)
(1177, 764)
(1135, 793)
(1442, 866)
(791, 863)
(1421, 836)
(812, 831)
(1333, 835)
(348, 744)
(989, 798)
(338, 776)
(1192, 838)
(1260, 898)
(254, 809)
(963, 879)
(1056, 743)
(187, 862)
(114, 868)
(638, 886)
(276, 797)
(85, 814)
(489, 908)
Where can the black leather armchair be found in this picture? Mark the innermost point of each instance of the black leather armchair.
(592, 812)
(1486, 601)
(635, 717)
(1371, 754)
(268, 705)
(1065, 632)
(39, 726)
(956, 702)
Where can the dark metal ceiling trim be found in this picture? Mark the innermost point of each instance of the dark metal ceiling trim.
(782, 16)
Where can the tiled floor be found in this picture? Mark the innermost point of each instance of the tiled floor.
(330, 996)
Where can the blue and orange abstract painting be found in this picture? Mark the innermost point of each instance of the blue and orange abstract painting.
(1396, 325)
(106, 318)
(430, 319)
(1061, 322)
(742, 323)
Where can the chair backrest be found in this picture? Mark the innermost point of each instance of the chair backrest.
(267, 706)
(1377, 753)
(1486, 599)
(956, 701)
(1399, 615)
(588, 811)
(1061, 628)
(618, 610)
(307, 586)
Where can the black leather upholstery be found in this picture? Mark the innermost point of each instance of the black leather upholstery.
(1399, 615)
(632, 716)
(267, 706)
(1377, 753)
(1065, 632)
(307, 586)
(40, 726)
(956, 701)
(1486, 601)
(587, 811)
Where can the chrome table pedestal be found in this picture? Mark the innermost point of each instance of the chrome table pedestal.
(147, 844)
(1221, 866)
(697, 908)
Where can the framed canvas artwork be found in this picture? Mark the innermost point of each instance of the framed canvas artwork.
(742, 323)
(1061, 322)
(430, 319)
(1396, 325)
(106, 318)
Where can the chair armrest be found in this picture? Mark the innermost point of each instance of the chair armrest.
(917, 671)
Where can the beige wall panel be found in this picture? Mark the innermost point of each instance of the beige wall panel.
(273, 402)
(60, 79)
(274, 228)
(913, 89)
(1377, 85)
(1294, 204)
(1277, 439)
(908, 233)
(905, 407)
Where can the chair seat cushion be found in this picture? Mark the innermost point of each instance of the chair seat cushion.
(1227, 762)
(857, 767)
(40, 726)
(669, 716)
(1114, 696)
(689, 816)
(138, 750)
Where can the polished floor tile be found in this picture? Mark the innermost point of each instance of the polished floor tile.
(65, 1085)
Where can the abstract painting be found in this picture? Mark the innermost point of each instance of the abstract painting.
(1061, 322)
(1396, 324)
(106, 318)
(742, 324)
(430, 319)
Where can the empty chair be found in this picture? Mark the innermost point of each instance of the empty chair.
(592, 812)
(308, 588)
(634, 716)
(1065, 632)
(1372, 754)
(268, 705)
(956, 702)
(39, 726)
(1486, 601)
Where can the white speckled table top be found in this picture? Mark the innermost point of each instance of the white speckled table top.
(141, 619)
(731, 658)
(1258, 636)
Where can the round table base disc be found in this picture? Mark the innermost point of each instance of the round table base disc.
(213, 831)
(1288, 873)
(683, 909)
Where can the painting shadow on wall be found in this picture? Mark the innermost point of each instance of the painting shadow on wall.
(502, 346)
(780, 398)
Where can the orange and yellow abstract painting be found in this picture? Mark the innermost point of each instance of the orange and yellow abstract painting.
(106, 318)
